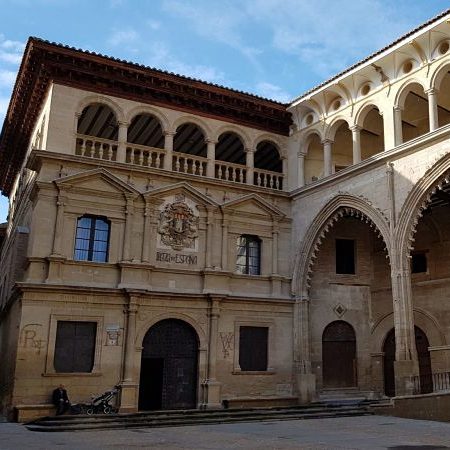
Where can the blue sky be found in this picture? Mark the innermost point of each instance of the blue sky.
(274, 48)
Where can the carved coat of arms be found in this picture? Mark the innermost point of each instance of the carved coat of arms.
(178, 226)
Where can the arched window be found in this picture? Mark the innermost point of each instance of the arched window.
(267, 157)
(145, 129)
(230, 148)
(92, 239)
(248, 255)
(189, 139)
(98, 120)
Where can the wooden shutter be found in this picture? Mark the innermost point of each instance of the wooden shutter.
(75, 346)
(253, 348)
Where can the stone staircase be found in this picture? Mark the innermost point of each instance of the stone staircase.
(198, 417)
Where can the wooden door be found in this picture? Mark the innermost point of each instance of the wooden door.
(339, 355)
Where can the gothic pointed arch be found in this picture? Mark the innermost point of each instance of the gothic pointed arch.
(343, 204)
(435, 179)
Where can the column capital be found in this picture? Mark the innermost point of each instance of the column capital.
(122, 123)
(211, 141)
(432, 91)
(327, 141)
(301, 155)
(168, 133)
(398, 108)
(249, 150)
(355, 128)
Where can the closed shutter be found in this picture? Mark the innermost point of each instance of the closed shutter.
(75, 346)
(253, 348)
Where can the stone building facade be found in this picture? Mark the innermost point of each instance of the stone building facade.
(197, 245)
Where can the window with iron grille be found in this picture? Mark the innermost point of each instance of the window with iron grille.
(92, 239)
(248, 255)
(253, 343)
(75, 346)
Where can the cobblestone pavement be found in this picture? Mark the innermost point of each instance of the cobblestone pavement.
(368, 432)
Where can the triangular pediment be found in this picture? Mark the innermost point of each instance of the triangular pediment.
(97, 180)
(255, 205)
(181, 188)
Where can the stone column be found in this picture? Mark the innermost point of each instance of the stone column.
(225, 243)
(284, 163)
(306, 380)
(211, 155)
(212, 386)
(398, 131)
(433, 109)
(126, 253)
(168, 147)
(250, 163)
(301, 169)
(406, 364)
(356, 138)
(59, 226)
(327, 158)
(146, 234)
(122, 142)
(209, 236)
(275, 233)
(129, 385)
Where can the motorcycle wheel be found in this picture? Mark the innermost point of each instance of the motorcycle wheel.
(107, 410)
(90, 411)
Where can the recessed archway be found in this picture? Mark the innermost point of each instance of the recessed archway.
(169, 366)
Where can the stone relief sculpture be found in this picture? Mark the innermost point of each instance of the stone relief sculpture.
(178, 226)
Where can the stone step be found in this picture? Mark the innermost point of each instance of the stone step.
(165, 419)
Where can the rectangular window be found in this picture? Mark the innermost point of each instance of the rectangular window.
(253, 344)
(248, 255)
(345, 256)
(419, 262)
(92, 239)
(75, 346)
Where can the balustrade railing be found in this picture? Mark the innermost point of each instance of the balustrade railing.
(230, 172)
(431, 382)
(94, 147)
(184, 163)
(268, 179)
(141, 155)
(145, 156)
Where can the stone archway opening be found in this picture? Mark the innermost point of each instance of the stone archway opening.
(424, 384)
(169, 367)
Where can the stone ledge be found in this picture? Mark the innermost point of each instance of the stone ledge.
(260, 402)
(25, 413)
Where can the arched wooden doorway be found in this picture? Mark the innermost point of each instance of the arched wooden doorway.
(339, 355)
(423, 355)
(169, 366)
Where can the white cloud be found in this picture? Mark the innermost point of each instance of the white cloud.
(10, 51)
(328, 35)
(220, 21)
(7, 78)
(153, 24)
(161, 57)
(273, 92)
(4, 103)
(123, 37)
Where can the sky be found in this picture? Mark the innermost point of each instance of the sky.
(273, 48)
